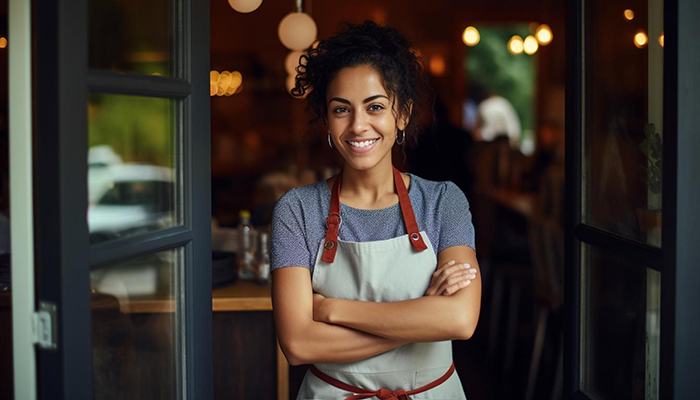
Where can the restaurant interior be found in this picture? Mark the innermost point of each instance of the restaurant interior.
(263, 144)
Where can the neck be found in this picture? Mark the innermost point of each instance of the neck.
(369, 185)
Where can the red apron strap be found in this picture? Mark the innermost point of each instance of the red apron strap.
(330, 245)
(383, 394)
(409, 218)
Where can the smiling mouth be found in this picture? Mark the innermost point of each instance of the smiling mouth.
(362, 144)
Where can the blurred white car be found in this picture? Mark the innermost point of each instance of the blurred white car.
(129, 199)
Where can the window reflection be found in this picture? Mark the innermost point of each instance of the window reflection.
(623, 133)
(131, 176)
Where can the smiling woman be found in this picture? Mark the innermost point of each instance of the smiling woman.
(373, 271)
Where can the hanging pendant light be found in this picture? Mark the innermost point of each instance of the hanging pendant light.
(291, 62)
(297, 30)
(245, 6)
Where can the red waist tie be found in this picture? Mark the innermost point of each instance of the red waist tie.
(383, 394)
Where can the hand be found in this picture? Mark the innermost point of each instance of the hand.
(450, 278)
(320, 309)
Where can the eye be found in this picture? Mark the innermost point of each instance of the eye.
(376, 107)
(340, 110)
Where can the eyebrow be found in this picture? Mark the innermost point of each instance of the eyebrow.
(367, 100)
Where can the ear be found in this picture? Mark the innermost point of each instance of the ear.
(405, 115)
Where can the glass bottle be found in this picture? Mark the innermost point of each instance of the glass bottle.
(246, 249)
(262, 265)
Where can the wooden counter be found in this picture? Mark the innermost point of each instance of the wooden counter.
(242, 296)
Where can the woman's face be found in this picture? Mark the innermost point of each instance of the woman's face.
(360, 118)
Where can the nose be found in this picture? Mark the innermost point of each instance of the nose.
(359, 122)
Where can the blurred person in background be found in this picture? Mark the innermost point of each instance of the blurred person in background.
(495, 117)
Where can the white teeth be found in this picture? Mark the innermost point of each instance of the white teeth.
(362, 144)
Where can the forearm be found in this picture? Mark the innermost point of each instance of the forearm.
(305, 341)
(319, 342)
(430, 318)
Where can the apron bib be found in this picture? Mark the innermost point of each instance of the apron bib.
(387, 270)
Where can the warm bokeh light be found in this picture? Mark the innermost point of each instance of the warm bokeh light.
(530, 45)
(437, 65)
(225, 83)
(515, 44)
(641, 39)
(3, 42)
(629, 14)
(244, 6)
(297, 31)
(661, 39)
(544, 34)
(471, 36)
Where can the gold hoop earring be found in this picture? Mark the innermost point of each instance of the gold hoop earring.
(330, 142)
(403, 138)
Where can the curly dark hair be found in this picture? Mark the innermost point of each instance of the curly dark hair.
(384, 48)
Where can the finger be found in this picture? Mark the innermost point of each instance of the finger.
(438, 284)
(454, 280)
(452, 289)
(447, 272)
(440, 268)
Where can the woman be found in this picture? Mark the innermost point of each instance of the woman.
(373, 271)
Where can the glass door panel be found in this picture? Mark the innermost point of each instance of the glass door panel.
(620, 326)
(132, 171)
(622, 123)
(136, 327)
(131, 36)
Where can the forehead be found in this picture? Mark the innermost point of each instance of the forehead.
(358, 82)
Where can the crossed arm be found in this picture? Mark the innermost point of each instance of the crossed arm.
(313, 329)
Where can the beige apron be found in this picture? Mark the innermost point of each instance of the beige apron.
(386, 270)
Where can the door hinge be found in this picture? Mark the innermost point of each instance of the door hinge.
(45, 326)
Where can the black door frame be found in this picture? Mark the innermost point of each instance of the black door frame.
(679, 256)
(64, 255)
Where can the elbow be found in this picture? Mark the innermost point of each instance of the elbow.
(294, 351)
(465, 327)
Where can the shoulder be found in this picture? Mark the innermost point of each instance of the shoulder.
(299, 195)
(435, 191)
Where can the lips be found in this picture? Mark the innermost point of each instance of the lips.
(362, 146)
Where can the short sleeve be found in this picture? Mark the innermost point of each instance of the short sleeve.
(288, 246)
(456, 228)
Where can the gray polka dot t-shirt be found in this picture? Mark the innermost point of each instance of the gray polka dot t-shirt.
(299, 221)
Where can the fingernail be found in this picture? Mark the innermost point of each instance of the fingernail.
(473, 271)
(450, 262)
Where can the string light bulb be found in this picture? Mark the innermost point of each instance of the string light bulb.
(224, 83)
(544, 34)
(471, 36)
(515, 44)
(641, 39)
(629, 14)
(530, 45)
